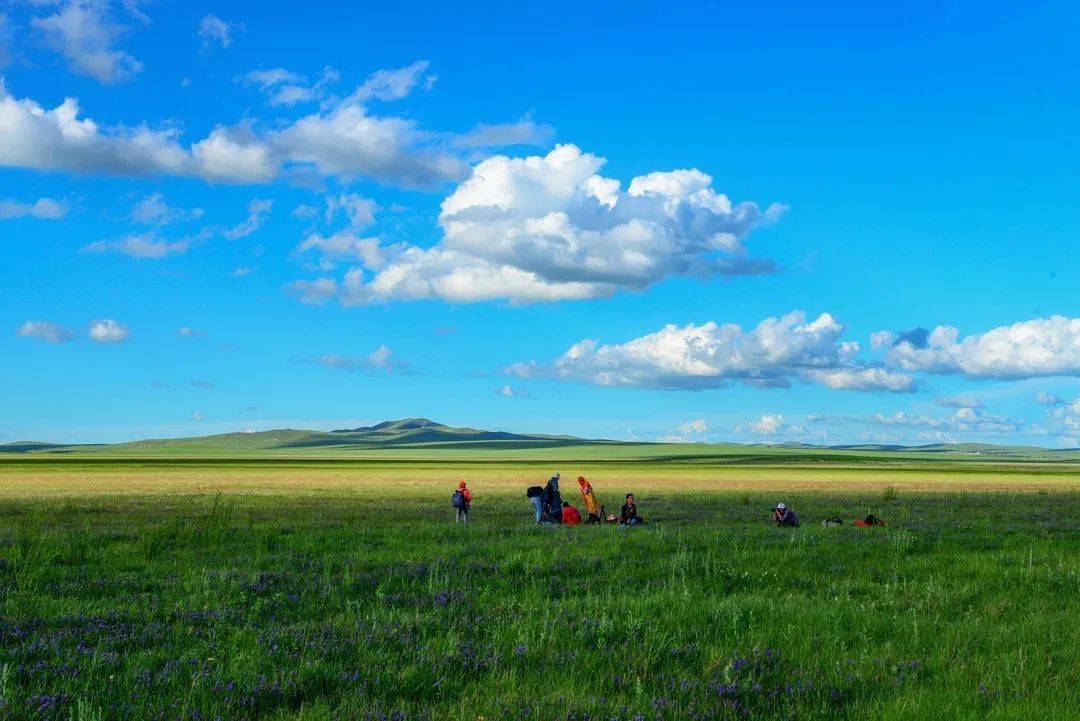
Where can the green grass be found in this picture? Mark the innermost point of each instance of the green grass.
(307, 591)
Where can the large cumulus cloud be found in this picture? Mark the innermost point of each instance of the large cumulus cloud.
(551, 227)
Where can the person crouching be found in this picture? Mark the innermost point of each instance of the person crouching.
(784, 516)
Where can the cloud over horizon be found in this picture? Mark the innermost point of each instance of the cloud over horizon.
(773, 354)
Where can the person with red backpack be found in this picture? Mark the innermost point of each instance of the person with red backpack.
(461, 501)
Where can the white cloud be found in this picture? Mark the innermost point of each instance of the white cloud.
(508, 391)
(524, 132)
(345, 244)
(1048, 399)
(213, 29)
(691, 357)
(344, 140)
(197, 416)
(186, 332)
(394, 84)
(42, 209)
(286, 88)
(140, 245)
(258, 210)
(961, 401)
(44, 330)
(84, 32)
(57, 139)
(108, 331)
(153, 210)
(964, 420)
(1040, 347)
(771, 424)
(689, 432)
(381, 359)
(546, 228)
(359, 210)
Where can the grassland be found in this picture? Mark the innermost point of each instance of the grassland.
(328, 589)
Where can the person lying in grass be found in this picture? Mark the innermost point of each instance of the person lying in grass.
(784, 516)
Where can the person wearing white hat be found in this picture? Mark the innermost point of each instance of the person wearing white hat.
(784, 516)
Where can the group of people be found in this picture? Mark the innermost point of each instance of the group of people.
(549, 506)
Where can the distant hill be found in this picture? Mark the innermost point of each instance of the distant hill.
(422, 438)
(407, 432)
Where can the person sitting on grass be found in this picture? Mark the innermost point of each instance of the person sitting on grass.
(628, 516)
(461, 501)
(784, 516)
(570, 515)
(591, 504)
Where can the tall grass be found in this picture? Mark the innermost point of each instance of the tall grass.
(374, 605)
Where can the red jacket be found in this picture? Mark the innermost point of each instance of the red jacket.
(571, 516)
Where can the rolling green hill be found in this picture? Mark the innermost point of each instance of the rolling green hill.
(423, 439)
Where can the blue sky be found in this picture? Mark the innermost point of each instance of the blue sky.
(252, 217)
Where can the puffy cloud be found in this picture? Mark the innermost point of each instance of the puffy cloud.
(344, 140)
(771, 424)
(108, 331)
(258, 210)
(345, 244)
(84, 32)
(546, 228)
(689, 432)
(46, 331)
(691, 357)
(508, 391)
(140, 245)
(1040, 347)
(153, 210)
(213, 29)
(359, 210)
(42, 209)
(58, 139)
(1048, 399)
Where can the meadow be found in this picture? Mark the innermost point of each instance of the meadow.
(299, 589)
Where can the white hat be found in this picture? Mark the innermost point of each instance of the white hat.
(556, 475)
(781, 507)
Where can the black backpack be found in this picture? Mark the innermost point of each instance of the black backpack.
(534, 491)
(458, 499)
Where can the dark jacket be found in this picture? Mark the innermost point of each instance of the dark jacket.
(628, 513)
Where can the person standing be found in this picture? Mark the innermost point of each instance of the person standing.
(462, 502)
(536, 495)
(592, 506)
(553, 500)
